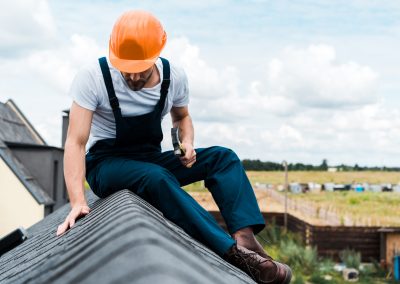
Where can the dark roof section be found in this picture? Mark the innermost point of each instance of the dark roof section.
(14, 127)
(122, 240)
(30, 183)
(12, 145)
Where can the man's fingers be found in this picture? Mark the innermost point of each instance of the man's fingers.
(62, 228)
(188, 157)
(74, 214)
(190, 164)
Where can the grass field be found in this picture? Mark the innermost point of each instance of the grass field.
(367, 208)
(276, 178)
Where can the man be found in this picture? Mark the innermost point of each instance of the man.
(118, 107)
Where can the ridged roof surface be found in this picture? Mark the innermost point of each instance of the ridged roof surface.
(122, 240)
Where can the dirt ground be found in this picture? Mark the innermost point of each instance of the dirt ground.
(266, 204)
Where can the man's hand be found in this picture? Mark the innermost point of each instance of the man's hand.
(77, 212)
(190, 155)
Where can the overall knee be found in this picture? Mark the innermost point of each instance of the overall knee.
(224, 155)
(157, 179)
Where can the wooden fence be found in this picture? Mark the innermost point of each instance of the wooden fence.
(329, 240)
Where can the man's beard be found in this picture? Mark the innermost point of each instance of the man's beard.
(137, 85)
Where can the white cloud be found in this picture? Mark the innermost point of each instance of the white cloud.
(55, 66)
(58, 66)
(25, 24)
(205, 81)
(310, 103)
(312, 77)
(39, 81)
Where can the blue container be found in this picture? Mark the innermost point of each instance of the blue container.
(359, 188)
(396, 267)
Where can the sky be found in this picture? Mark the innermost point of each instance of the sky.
(300, 81)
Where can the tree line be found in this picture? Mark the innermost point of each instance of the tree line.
(257, 165)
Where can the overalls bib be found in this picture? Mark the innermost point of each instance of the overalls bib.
(134, 161)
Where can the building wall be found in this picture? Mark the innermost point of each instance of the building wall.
(46, 165)
(18, 208)
(392, 246)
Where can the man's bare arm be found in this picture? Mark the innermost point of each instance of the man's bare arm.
(181, 118)
(80, 120)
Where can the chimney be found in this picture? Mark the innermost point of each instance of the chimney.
(65, 123)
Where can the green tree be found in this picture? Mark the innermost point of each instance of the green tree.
(324, 165)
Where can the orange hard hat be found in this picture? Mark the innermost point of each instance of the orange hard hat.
(136, 41)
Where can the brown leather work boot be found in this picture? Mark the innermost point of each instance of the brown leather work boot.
(260, 269)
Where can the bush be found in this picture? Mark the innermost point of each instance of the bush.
(307, 267)
(350, 258)
(298, 257)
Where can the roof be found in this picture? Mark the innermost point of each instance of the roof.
(16, 129)
(12, 145)
(389, 230)
(29, 182)
(123, 239)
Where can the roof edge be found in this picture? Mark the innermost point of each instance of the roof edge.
(15, 145)
(20, 114)
(23, 181)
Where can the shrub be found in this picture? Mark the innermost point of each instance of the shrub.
(350, 258)
(299, 257)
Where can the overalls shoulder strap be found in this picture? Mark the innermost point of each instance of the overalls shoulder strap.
(105, 70)
(109, 86)
(166, 81)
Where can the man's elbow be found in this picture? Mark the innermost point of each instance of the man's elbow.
(74, 143)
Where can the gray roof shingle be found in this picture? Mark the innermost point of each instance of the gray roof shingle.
(14, 127)
(122, 240)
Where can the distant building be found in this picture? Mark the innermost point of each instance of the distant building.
(314, 187)
(375, 188)
(31, 172)
(295, 187)
(328, 186)
(332, 170)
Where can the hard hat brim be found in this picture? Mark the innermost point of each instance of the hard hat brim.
(131, 66)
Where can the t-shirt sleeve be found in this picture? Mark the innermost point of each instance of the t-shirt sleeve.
(181, 97)
(82, 90)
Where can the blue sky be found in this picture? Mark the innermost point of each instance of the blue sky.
(294, 80)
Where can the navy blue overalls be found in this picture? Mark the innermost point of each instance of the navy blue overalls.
(134, 160)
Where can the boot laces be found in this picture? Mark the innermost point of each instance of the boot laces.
(250, 261)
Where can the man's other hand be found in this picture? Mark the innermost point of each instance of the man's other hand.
(190, 155)
(77, 212)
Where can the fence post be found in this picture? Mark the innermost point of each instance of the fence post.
(286, 190)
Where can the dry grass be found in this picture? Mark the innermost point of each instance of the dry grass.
(276, 178)
(364, 208)
(367, 208)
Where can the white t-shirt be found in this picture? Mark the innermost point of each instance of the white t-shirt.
(89, 91)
